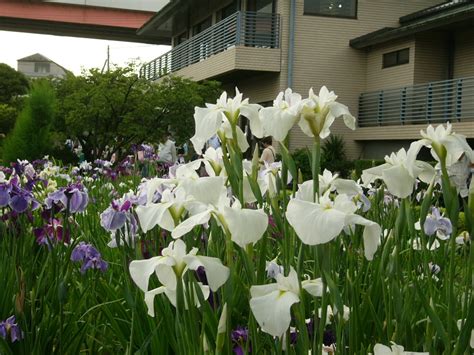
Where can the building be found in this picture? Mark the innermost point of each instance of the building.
(398, 65)
(38, 66)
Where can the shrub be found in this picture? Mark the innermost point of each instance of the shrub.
(302, 158)
(7, 118)
(333, 156)
(29, 138)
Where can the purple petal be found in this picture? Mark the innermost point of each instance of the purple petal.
(430, 226)
(19, 203)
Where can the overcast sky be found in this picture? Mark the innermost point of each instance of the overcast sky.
(73, 53)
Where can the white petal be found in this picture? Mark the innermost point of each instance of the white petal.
(154, 213)
(398, 181)
(251, 112)
(207, 122)
(313, 287)
(380, 349)
(207, 190)
(188, 224)
(273, 311)
(313, 223)
(245, 225)
(216, 273)
(371, 235)
(150, 298)
(141, 270)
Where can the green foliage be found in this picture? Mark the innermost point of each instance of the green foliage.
(7, 118)
(12, 84)
(302, 158)
(108, 112)
(175, 99)
(29, 139)
(334, 156)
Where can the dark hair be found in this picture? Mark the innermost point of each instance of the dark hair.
(267, 140)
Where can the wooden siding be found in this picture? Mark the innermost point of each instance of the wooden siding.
(379, 78)
(323, 55)
(431, 57)
(464, 54)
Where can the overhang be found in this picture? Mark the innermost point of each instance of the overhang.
(463, 12)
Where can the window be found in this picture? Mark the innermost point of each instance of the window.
(399, 57)
(181, 38)
(227, 11)
(42, 68)
(336, 8)
(201, 26)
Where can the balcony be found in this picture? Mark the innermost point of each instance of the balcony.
(435, 102)
(242, 41)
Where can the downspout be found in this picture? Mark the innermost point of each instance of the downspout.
(291, 46)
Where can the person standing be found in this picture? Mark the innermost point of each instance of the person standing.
(167, 150)
(268, 154)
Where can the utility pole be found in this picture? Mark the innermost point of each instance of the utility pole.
(108, 58)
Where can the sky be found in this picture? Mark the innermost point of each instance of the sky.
(74, 54)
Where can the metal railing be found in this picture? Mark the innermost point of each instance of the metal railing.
(440, 101)
(249, 29)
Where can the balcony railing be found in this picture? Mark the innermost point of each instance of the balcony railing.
(249, 29)
(440, 101)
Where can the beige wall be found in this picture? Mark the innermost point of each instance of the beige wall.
(431, 57)
(464, 54)
(28, 68)
(232, 59)
(379, 78)
(323, 55)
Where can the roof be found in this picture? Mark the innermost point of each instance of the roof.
(37, 57)
(432, 17)
(161, 20)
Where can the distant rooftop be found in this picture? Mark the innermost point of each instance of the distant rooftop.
(37, 57)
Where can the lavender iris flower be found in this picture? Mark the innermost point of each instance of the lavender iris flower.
(89, 256)
(10, 327)
(76, 194)
(16, 197)
(435, 223)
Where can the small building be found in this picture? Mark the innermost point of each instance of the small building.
(39, 66)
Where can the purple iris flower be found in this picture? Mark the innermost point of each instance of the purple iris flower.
(16, 197)
(239, 337)
(53, 231)
(435, 223)
(10, 327)
(4, 194)
(115, 216)
(75, 194)
(89, 256)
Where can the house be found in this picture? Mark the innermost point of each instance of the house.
(397, 64)
(39, 66)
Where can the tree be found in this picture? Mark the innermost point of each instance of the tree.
(175, 99)
(12, 84)
(104, 111)
(108, 112)
(30, 136)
